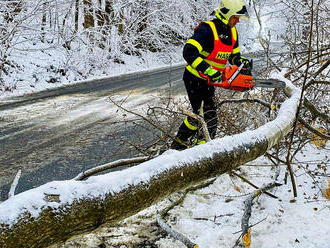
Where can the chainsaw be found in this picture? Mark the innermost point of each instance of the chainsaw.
(239, 78)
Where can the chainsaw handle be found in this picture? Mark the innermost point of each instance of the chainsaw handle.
(209, 81)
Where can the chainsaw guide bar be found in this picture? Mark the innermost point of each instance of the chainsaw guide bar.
(269, 83)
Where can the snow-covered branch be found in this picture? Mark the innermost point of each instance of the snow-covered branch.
(80, 206)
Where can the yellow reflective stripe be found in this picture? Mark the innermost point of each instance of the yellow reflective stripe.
(193, 71)
(234, 32)
(215, 33)
(197, 62)
(199, 142)
(205, 54)
(219, 17)
(198, 46)
(218, 65)
(195, 44)
(191, 127)
(236, 50)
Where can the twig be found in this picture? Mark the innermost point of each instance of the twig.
(312, 82)
(111, 165)
(266, 104)
(322, 68)
(249, 203)
(286, 75)
(176, 235)
(313, 130)
(238, 239)
(14, 184)
(162, 215)
(181, 199)
(294, 187)
(262, 41)
(315, 112)
(251, 225)
(200, 120)
(149, 121)
(253, 185)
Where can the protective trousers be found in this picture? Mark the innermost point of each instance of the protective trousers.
(198, 90)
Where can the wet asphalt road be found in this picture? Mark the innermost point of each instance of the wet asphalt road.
(56, 134)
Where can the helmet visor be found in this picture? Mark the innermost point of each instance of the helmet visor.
(243, 17)
(243, 14)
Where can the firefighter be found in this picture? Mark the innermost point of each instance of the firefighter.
(213, 44)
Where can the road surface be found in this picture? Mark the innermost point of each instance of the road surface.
(56, 134)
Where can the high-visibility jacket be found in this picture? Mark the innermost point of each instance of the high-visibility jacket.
(219, 56)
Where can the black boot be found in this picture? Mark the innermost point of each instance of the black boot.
(178, 146)
(183, 135)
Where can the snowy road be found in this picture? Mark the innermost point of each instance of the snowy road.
(56, 134)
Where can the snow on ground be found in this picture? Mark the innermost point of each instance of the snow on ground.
(211, 217)
(41, 67)
(285, 222)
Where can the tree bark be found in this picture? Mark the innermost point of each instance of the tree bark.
(88, 14)
(86, 214)
(76, 16)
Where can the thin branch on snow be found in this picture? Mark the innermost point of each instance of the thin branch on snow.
(249, 203)
(14, 184)
(315, 112)
(176, 235)
(250, 183)
(313, 130)
(161, 222)
(111, 165)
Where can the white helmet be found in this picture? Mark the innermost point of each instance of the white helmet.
(230, 8)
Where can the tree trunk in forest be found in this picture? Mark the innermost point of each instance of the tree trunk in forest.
(12, 10)
(76, 16)
(43, 21)
(105, 16)
(88, 14)
(151, 181)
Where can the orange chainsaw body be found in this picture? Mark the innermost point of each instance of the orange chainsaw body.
(241, 82)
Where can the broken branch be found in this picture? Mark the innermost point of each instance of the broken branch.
(249, 203)
(200, 120)
(111, 165)
(14, 184)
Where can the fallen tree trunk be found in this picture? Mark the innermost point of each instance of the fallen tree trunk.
(56, 211)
